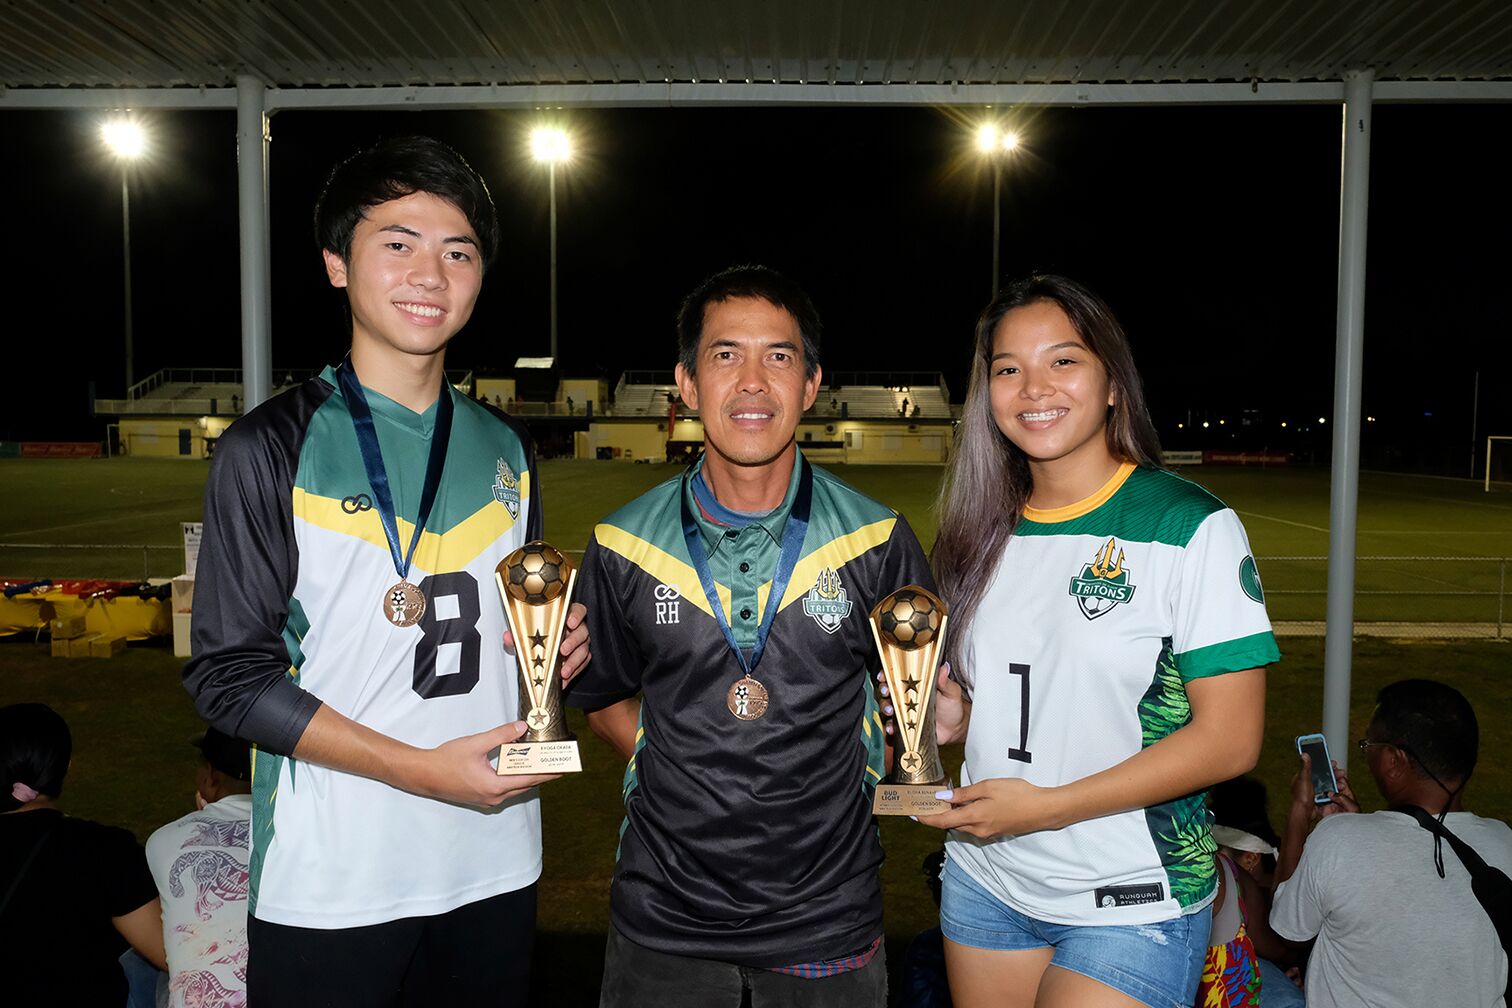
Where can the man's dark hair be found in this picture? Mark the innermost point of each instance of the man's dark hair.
(1433, 722)
(747, 282)
(393, 169)
(35, 746)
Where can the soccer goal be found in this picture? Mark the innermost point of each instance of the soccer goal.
(1499, 462)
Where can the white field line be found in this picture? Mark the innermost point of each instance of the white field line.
(170, 509)
(1283, 521)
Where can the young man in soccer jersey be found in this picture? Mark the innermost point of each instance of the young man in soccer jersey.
(728, 613)
(348, 624)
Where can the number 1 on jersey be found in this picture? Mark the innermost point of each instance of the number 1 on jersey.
(1022, 753)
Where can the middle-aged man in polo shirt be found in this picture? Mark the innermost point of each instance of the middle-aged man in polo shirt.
(733, 669)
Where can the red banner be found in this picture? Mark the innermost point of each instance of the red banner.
(1245, 458)
(60, 449)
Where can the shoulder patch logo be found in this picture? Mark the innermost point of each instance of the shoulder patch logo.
(827, 602)
(1249, 579)
(1103, 583)
(506, 488)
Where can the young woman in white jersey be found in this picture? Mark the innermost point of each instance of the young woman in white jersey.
(1080, 868)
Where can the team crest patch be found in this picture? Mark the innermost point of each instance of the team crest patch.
(506, 489)
(827, 601)
(1103, 584)
(1249, 580)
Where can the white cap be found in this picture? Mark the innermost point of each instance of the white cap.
(1237, 839)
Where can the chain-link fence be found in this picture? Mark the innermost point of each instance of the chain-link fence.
(60, 561)
(1395, 596)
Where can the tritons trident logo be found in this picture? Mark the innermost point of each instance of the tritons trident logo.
(506, 488)
(827, 602)
(1103, 584)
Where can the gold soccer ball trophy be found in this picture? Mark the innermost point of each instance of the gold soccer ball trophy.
(535, 584)
(909, 628)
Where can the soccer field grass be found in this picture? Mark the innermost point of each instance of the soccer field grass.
(115, 507)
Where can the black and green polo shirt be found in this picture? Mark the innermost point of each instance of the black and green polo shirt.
(746, 841)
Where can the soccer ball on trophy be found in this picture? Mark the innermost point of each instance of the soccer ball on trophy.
(909, 619)
(535, 584)
(909, 627)
(535, 573)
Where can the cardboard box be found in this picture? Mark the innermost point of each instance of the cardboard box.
(181, 642)
(60, 647)
(78, 647)
(101, 646)
(67, 627)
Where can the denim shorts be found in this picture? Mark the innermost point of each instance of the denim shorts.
(1156, 964)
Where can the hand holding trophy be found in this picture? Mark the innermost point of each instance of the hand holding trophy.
(535, 583)
(909, 628)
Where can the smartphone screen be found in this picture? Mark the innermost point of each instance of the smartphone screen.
(1323, 782)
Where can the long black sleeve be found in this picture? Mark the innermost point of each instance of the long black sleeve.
(248, 562)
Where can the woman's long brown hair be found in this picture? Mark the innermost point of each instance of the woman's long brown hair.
(987, 481)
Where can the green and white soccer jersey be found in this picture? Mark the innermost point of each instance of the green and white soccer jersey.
(1098, 616)
(298, 550)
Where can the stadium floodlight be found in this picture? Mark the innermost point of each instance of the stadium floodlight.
(551, 146)
(996, 144)
(126, 139)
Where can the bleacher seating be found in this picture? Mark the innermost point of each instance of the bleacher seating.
(642, 400)
(861, 401)
(873, 401)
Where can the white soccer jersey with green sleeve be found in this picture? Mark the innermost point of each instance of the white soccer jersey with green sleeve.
(1098, 616)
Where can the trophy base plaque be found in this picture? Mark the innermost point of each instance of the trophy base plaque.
(539, 758)
(910, 799)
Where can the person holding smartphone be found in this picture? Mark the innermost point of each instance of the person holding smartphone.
(1108, 644)
(1395, 920)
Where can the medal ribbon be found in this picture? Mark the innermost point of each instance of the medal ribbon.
(372, 461)
(792, 544)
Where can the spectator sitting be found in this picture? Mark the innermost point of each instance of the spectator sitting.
(1396, 921)
(70, 889)
(1250, 862)
(200, 865)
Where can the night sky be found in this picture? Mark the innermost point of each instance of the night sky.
(1213, 232)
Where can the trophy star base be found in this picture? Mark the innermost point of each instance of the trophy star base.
(910, 799)
(539, 758)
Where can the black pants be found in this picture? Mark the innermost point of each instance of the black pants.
(476, 954)
(637, 977)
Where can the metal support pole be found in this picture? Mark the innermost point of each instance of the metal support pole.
(551, 182)
(997, 218)
(252, 208)
(126, 273)
(1474, 416)
(1348, 363)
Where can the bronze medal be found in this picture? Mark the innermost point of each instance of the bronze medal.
(747, 699)
(403, 604)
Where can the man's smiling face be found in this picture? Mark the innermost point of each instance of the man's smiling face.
(412, 277)
(750, 386)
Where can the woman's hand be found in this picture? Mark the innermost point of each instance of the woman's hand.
(999, 806)
(952, 711)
